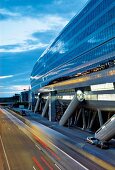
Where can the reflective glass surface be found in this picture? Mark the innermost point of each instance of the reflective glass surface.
(86, 42)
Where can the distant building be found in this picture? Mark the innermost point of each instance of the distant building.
(24, 96)
(10, 100)
(31, 100)
(16, 97)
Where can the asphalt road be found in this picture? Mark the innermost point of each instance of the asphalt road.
(39, 147)
(18, 151)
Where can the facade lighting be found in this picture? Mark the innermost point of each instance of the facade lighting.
(100, 87)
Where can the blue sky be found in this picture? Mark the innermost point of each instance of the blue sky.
(27, 27)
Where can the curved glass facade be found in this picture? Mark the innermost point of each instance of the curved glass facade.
(85, 43)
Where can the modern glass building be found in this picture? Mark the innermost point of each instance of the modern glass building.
(86, 45)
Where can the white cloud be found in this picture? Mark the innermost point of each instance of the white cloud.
(4, 77)
(19, 31)
(14, 89)
(4, 11)
(19, 87)
(10, 92)
(24, 47)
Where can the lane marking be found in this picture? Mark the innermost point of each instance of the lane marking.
(47, 147)
(38, 147)
(5, 153)
(48, 165)
(37, 163)
(69, 156)
(34, 168)
(57, 166)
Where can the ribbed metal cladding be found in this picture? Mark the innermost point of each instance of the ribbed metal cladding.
(69, 111)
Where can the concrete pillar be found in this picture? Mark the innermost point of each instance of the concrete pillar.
(69, 111)
(37, 104)
(100, 117)
(52, 106)
(45, 107)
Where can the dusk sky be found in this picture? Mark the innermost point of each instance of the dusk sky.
(27, 27)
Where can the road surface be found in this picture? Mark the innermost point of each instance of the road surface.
(39, 147)
(18, 151)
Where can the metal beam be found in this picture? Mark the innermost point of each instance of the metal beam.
(29, 106)
(100, 117)
(45, 107)
(84, 120)
(37, 104)
(52, 107)
(107, 131)
(89, 119)
(92, 120)
(78, 116)
(69, 111)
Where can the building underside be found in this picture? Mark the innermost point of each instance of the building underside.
(77, 102)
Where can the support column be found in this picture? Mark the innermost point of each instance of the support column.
(100, 117)
(52, 106)
(109, 115)
(92, 120)
(29, 106)
(89, 119)
(83, 116)
(37, 104)
(68, 123)
(78, 116)
(45, 107)
(69, 111)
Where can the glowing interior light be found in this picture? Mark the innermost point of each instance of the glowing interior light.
(106, 97)
(67, 97)
(99, 87)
